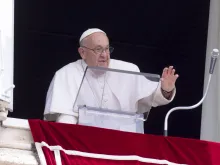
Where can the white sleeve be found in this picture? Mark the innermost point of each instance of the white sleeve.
(154, 100)
(61, 95)
(68, 119)
(159, 99)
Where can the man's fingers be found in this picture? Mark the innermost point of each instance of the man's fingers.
(170, 69)
(173, 71)
(165, 71)
(175, 77)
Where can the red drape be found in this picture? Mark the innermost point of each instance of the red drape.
(110, 142)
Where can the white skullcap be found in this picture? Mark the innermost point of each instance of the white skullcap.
(89, 32)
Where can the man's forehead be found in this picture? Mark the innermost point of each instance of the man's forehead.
(97, 39)
(98, 36)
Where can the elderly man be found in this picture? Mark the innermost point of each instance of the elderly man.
(95, 51)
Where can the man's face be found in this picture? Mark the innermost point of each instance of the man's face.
(95, 50)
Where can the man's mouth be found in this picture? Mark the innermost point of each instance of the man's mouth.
(102, 61)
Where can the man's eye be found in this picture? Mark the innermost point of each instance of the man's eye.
(98, 49)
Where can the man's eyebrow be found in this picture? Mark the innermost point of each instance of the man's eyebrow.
(99, 46)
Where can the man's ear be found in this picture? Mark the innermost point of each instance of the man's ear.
(82, 53)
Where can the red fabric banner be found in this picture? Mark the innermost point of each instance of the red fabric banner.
(66, 144)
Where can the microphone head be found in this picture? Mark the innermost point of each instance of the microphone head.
(215, 53)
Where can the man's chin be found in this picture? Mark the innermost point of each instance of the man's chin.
(103, 64)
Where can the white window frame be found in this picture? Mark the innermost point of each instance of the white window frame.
(7, 61)
(7, 50)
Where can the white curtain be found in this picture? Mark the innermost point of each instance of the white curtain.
(210, 123)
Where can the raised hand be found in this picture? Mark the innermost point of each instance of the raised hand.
(168, 79)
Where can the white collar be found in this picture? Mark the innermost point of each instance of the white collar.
(84, 65)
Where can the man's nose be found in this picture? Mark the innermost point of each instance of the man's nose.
(104, 53)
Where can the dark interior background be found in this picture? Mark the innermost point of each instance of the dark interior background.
(151, 34)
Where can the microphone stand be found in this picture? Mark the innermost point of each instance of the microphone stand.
(215, 54)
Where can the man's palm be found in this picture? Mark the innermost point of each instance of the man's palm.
(168, 79)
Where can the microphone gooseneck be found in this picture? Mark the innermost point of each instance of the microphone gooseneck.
(215, 54)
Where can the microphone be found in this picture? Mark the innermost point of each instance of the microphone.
(215, 54)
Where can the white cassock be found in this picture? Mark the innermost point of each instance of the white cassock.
(115, 91)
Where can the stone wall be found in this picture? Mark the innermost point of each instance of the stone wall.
(16, 143)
